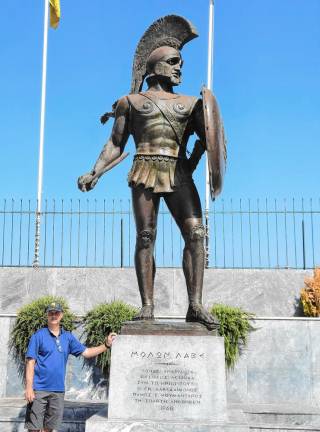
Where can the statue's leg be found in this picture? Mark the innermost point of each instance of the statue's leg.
(145, 208)
(185, 206)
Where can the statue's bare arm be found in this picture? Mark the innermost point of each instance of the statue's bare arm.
(199, 129)
(112, 149)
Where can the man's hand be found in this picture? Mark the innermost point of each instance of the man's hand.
(94, 351)
(29, 395)
(87, 182)
(109, 339)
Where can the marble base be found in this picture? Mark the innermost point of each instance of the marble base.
(167, 371)
(100, 423)
(167, 377)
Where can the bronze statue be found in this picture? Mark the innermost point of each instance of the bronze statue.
(161, 123)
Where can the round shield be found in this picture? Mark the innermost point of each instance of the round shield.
(215, 142)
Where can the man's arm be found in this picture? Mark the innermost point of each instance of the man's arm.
(29, 393)
(94, 351)
(112, 149)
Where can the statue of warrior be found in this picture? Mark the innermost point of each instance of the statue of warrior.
(161, 122)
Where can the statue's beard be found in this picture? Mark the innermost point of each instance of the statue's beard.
(168, 79)
(171, 79)
(175, 79)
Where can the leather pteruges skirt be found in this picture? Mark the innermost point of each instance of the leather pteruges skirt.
(161, 174)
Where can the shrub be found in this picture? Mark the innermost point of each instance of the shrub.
(234, 327)
(103, 319)
(310, 295)
(31, 318)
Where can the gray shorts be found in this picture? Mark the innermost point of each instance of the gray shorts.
(46, 411)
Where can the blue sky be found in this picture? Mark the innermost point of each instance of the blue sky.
(266, 78)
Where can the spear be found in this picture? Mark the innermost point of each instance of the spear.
(54, 21)
(209, 86)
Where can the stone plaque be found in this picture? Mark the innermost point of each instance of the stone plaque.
(167, 378)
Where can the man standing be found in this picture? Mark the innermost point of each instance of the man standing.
(46, 361)
(161, 122)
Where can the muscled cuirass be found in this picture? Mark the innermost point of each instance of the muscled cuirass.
(160, 126)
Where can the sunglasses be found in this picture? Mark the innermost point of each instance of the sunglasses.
(51, 313)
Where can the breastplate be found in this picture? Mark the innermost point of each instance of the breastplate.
(159, 126)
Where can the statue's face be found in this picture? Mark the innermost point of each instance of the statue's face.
(166, 62)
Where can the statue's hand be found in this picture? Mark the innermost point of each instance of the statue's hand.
(87, 182)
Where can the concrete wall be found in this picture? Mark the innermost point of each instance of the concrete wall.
(263, 292)
(280, 365)
(4, 356)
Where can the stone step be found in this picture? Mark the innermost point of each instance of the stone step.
(282, 417)
(12, 412)
(260, 418)
(281, 428)
(17, 425)
(297, 419)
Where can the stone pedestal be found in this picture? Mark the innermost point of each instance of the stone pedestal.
(166, 377)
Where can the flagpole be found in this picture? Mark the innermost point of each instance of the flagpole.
(42, 119)
(209, 85)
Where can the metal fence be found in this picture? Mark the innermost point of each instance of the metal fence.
(243, 234)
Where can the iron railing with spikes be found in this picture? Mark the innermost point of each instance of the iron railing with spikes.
(82, 233)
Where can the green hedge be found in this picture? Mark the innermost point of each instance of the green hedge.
(31, 318)
(235, 326)
(103, 319)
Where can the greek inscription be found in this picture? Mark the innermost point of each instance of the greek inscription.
(167, 355)
(167, 389)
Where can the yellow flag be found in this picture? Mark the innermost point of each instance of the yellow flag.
(54, 13)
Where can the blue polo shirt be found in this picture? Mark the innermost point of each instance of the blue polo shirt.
(51, 354)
